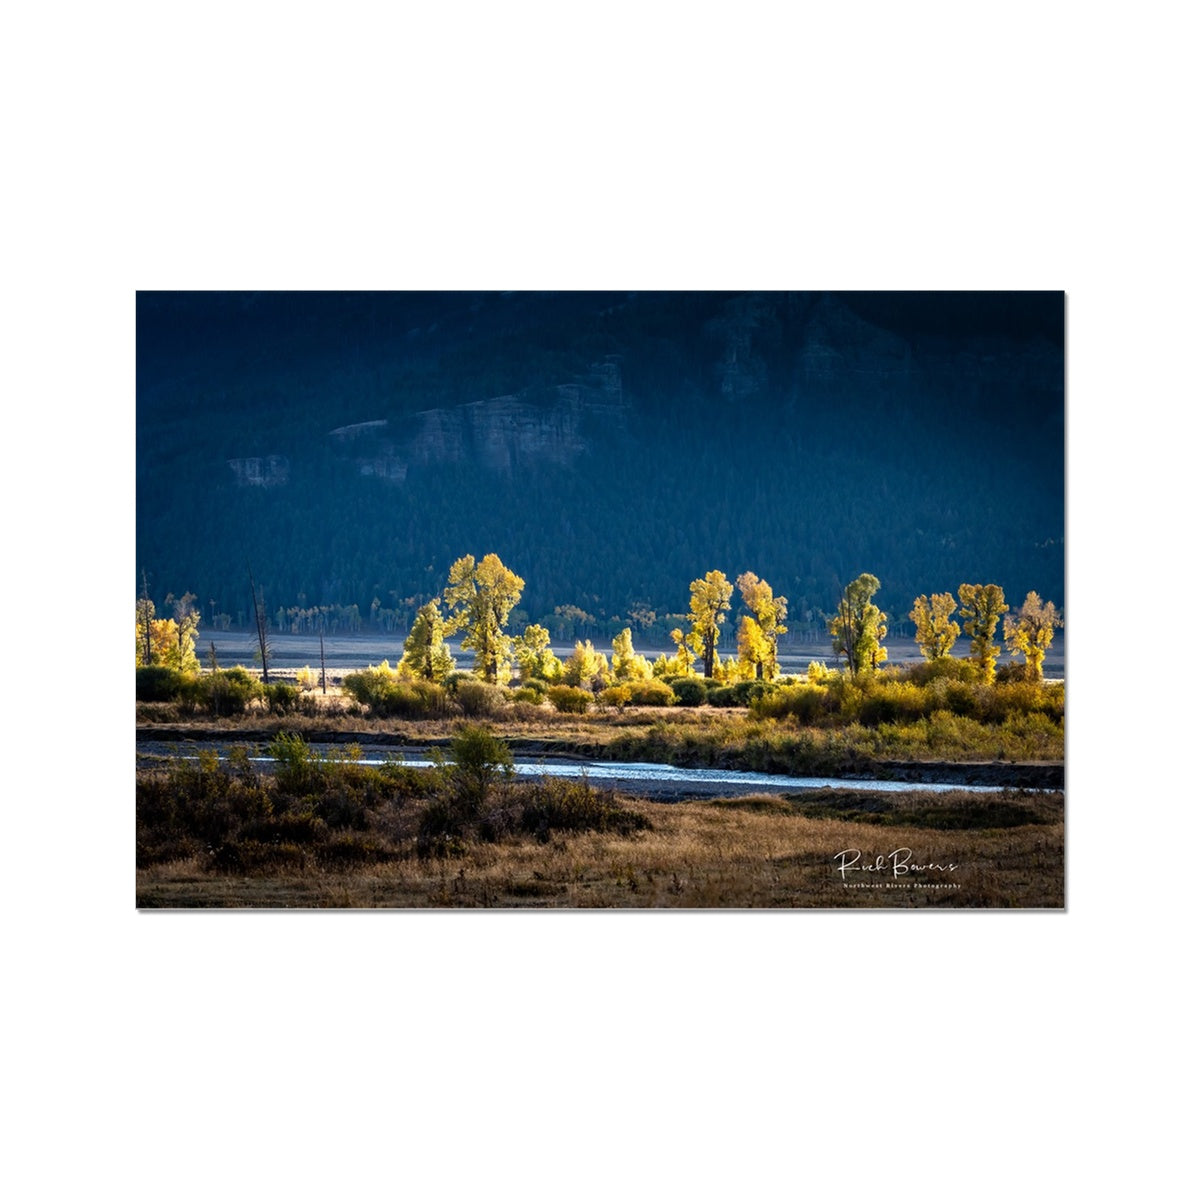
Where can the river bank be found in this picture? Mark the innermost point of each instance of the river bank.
(155, 741)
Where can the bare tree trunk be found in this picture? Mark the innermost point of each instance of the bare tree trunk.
(260, 625)
(322, 661)
(146, 614)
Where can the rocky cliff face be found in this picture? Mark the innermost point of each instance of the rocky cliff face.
(504, 434)
(271, 470)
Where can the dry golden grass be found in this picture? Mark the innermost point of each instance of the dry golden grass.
(755, 852)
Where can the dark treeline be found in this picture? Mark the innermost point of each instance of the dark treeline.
(805, 437)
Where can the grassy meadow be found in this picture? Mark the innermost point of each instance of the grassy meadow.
(317, 833)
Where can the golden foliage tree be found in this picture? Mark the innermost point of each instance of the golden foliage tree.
(859, 627)
(708, 606)
(753, 649)
(769, 612)
(626, 663)
(587, 667)
(145, 626)
(425, 651)
(981, 607)
(187, 622)
(1030, 630)
(535, 659)
(480, 597)
(936, 633)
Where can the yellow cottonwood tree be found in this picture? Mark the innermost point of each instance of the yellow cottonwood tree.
(936, 633)
(709, 604)
(1030, 630)
(425, 649)
(480, 596)
(626, 663)
(981, 607)
(859, 627)
(769, 612)
(535, 659)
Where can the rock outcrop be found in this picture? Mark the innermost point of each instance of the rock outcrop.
(271, 470)
(504, 434)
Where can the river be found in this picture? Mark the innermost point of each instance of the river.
(654, 780)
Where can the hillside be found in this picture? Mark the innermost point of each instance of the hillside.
(609, 447)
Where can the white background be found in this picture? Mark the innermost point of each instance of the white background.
(649, 145)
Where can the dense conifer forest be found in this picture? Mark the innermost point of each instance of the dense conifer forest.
(610, 448)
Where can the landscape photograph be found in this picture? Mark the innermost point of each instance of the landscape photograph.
(600, 600)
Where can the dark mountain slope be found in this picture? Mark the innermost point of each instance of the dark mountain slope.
(610, 447)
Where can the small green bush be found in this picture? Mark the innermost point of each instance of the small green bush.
(569, 699)
(479, 699)
(960, 669)
(650, 693)
(572, 805)
(689, 691)
(388, 695)
(281, 697)
(299, 765)
(230, 692)
(158, 684)
(808, 703)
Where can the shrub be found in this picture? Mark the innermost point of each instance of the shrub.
(388, 694)
(369, 687)
(299, 765)
(282, 697)
(572, 805)
(689, 691)
(479, 699)
(617, 696)
(440, 830)
(242, 857)
(650, 693)
(193, 694)
(352, 849)
(157, 684)
(960, 669)
(229, 693)
(808, 703)
(307, 679)
(892, 701)
(527, 695)
(569, 699)
(740, 694)
(478, 758)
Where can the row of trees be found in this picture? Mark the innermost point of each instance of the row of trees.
(479, 598)
(859, 627)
